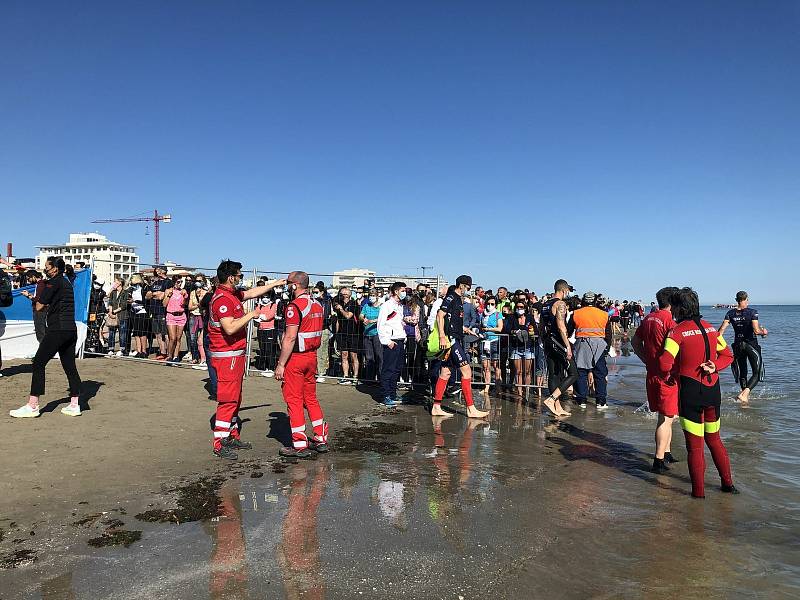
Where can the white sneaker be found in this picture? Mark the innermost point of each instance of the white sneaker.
(267, 373)
(71, 411)
(24, 411)
(320, 379)
(119, 353)
(110, 353)
(344, 382)
(602, 406)
(200, 367)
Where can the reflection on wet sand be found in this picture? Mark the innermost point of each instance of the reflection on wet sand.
(228, 566)
(298, 550)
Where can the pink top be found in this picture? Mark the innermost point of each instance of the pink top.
(268, 314)
(176, 301)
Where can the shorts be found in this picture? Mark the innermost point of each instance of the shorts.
(139, 324)
(458, 357)
(520, 353)
(493, 352)
(176, 320)
(662, 396)
(347, 342)
(159, 324)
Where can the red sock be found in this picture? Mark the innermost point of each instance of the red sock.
(466, 387)
(697, 463)
(438, 392)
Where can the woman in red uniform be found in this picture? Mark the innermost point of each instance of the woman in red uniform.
(698, 351)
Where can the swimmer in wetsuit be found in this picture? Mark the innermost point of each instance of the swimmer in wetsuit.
(745, 345)
(697, 351)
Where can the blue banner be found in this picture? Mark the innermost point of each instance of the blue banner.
(21, 309)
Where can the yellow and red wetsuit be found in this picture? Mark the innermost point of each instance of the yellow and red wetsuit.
(688, 345)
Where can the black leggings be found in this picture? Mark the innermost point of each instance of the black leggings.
(561, 373)
(63, 343)
(747, 354)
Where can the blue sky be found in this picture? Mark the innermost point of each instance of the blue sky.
(621, 145)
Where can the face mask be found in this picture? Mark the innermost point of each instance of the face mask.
(316, 294)
(421, 294)
(198, 284)
(279, 289)
(373, 299)
(402, 295)
(520, 311)
(491, 309)
(331, 292)
(285, 296)
(359, 296)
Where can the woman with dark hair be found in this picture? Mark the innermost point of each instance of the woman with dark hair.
(175, 302)
(521, 328)
(58, 299)
(698, 351)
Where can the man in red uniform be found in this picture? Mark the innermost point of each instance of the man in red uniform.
(227, 336)
(297, 368)
(698, 351)
(662, 392)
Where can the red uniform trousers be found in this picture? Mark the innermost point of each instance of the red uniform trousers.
(230, 371)
(300, 392)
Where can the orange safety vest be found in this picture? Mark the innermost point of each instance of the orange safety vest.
(590, 321)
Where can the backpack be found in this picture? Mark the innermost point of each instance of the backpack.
(6, 297)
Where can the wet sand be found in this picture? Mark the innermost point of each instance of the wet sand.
(406, 506)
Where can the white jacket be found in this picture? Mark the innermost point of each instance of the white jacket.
(390, 322)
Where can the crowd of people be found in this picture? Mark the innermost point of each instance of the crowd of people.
(399, 335)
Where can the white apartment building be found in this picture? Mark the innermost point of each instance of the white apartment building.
(384, 281)
(351, 277)
(110, 257)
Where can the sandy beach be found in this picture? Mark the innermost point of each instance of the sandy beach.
(127, 501)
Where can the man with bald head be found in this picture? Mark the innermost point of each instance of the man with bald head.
(297, 368)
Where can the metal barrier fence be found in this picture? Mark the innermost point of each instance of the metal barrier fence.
(171, 331)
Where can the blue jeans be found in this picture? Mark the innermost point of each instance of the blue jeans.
(193, 331)
(212, 372)
(600, 372)
(123, 336)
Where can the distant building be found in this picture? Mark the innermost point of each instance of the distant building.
(351, 277)
(110, 258)
(412, 281)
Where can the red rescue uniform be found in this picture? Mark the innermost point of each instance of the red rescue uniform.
(300, 375)
(688, 345)
(228, 358)
(662, 391)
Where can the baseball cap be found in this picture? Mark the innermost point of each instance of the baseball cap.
(589, 298)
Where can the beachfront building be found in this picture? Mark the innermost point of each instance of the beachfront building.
(351, 277)
(384, 281)
(111, 258)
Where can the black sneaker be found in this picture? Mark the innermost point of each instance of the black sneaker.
(729, 489)
(236, 444)
(668, 458)
(659, 467)
(294, 453)
(227, 453)
(320, 447)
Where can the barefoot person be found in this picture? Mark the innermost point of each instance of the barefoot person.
(227, 333)
(451, 330)
(58, 299)
(699, 353)
(746, 349)
(562, 371)
(662, 392)
(297, 368)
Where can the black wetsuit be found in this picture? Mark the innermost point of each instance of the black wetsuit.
(561, 373)
(742, 323)
(453, 305)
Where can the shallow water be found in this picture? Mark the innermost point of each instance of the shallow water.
(522, 506)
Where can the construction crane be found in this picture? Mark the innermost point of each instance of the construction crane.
(156, 218)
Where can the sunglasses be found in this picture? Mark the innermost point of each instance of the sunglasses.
(491, 304)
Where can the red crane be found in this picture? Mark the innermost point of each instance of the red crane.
(156, 218)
